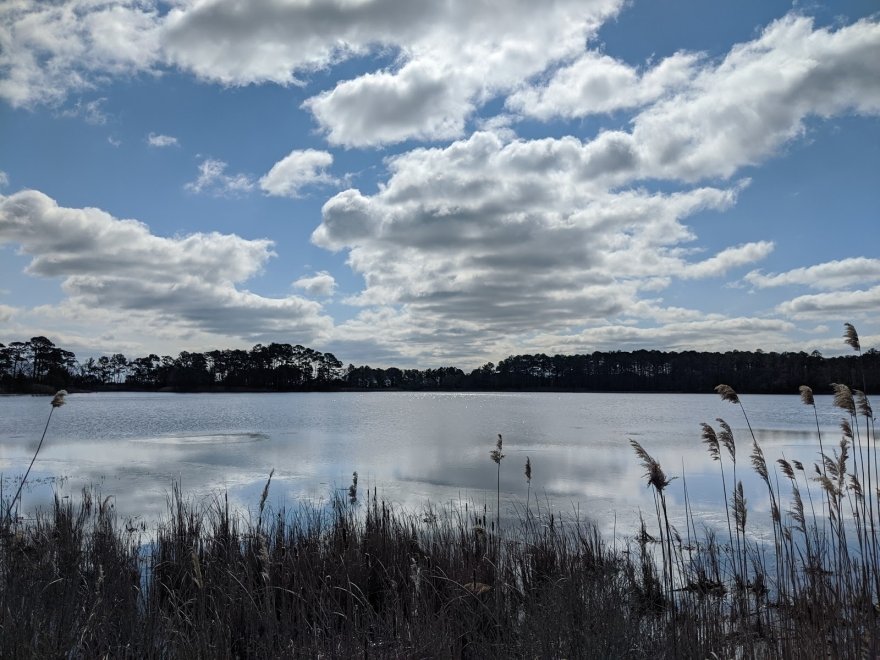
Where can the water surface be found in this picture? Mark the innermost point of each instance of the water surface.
(411, 447)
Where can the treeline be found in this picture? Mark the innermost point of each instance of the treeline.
(39, 364)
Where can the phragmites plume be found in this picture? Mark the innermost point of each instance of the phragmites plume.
(856, 486)
(496, 453)
(727, 393)
(653, 471)
(711, 440)
(739, 507)
(759, 463)
(786, 468)
(726, 438)
(843, 398)
(862, 404)
(846, 429)
(528, 471)
(851, 337)
(807, 395)
(798, 465)
(797, 507)
(58, 399)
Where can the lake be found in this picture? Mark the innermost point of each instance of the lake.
(414, 448)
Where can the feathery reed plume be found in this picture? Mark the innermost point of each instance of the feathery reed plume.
(710, 438)
(759, 463)
(851, 337)
(739, 508)
(843, 398)
(862, 404)
(653, 471)
(786, 468)
(57, 402)
(496, 453)
(726, 438)
(496, 456)
(528, 471)
(727, 393)
(353, 489)
(263, 497)
(807, 395)
(657, 478)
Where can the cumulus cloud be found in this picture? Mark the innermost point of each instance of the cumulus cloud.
(487, 239)
(300, 168)
(213, 180)
(451, 56)
(847, 304)
(829, 275)
(159, 140)
(733, 113)
(321, 283)
(110, 264)
(48, 50)
(597, 83)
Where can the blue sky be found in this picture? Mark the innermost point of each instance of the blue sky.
(418, 183)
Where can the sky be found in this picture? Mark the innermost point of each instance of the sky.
(420, 183)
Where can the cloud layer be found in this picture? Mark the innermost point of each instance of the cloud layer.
(108, 264)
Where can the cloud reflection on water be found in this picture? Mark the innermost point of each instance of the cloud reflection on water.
(411, 447)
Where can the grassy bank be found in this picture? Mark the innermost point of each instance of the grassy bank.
(369, 581)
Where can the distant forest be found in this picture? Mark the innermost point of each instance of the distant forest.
(39, 365)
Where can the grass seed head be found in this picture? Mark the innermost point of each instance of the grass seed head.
(58, 399)
(726, 438)
(727, 393)
(851, 337)
(843, 398)
(807, 395)
(711, 439)
(496, 453)
(862, 404)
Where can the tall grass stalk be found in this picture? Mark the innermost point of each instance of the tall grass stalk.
(57, 402)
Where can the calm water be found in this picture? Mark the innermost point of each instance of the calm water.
(412, 447)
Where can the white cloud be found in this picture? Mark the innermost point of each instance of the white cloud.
(159, 140)
(452, 56)
(48, 50)
(486, 240)
(829, 275)
(321, 283)
(119, 266)
(4, 179)
(113, 142)
(847, 304)
(739, 111)
(213, 180)
(90, 111)
(729, 258)
(714, 334)
(6, 313)
(597, 83)
(298, 169)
